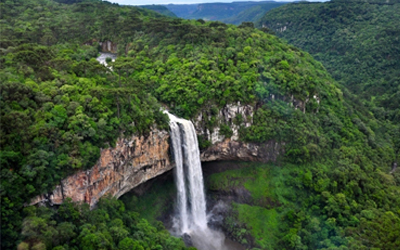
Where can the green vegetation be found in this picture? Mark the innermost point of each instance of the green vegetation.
(159, 9)
(235, 12)
(109, 226)
(213, 64)
(262, 223)
(313, 206)
(156, 202)
(60, 106)
(357, 41)
(182, 10)
(259, 218)
(252, 13)
(58, 109)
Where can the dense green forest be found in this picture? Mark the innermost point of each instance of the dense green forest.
(357, 41)
(60, 106)
(109, 226)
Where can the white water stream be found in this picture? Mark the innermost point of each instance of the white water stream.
(103, 56)
(189, 177)
(191, 205)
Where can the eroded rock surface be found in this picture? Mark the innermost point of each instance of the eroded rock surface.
(137, 159)
(235, 150)
(229, 115)
(108, 46)
(132, 162)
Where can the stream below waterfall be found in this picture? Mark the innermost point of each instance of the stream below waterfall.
(103, 56)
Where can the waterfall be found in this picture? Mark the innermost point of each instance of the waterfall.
(189, 176)
(191, 203)
(180, 182)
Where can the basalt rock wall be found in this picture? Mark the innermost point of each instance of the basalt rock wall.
(131, 162)
(137, 159)
(108, 46)
(229, 150)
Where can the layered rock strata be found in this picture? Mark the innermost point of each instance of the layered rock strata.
(235, 150)
(108, 46)
(137, 159)
(131, 162)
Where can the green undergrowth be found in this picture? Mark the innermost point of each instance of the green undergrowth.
(109, 226)
(154, 203)
(268, 190)
(265, 182)
(60, 107)
(320, 205)
(262, 223)
(357, 42)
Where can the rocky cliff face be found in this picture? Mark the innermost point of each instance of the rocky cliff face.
(108, 46)
(234, 116)
(235, 150)
(136, 159)
(226, 116)
(133, 161)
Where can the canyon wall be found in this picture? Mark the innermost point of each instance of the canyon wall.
(108, 46)
(137, 159)
(131, 162)
(234, 116)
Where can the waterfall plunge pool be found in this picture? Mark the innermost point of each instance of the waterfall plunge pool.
(156, 200)
(177, 198)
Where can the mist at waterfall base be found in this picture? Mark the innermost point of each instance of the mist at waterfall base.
(191, 219)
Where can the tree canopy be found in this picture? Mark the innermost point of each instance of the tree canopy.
(60, 107)
(357, 41)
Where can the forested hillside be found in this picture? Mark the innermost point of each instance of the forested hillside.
(335, 180)
(182, 10)
(235, 12)
(60, 106)
(252, 13)
(159, 9)
(357, 41)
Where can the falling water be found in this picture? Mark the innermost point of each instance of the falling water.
(191, 198)
(190, 187)
(180, 182)
(195, 175)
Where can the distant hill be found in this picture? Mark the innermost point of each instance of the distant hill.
(253, 13)
(357, 41)
(159, 9)
(182, 10)
(235, 12)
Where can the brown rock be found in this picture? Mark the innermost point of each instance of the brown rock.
(235, 150)
(108, 46)
(132, 162)
(135, 160)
